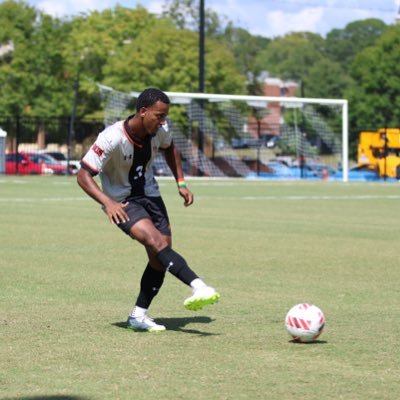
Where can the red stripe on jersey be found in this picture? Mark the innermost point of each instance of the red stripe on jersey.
(130, 138)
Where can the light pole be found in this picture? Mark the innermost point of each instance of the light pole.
(71, 132)
(200, 137)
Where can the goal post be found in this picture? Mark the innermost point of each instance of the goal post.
(248, 136)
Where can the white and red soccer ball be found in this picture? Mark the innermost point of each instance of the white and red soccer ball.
(305, 322)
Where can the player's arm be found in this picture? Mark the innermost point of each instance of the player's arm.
(114, 210)
(174, 162)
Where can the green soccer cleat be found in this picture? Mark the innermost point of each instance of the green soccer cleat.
(201, 297)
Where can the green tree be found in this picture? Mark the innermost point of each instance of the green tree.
(374, 96)
(17, 21)
(291, 56)
(325, 79)
(342, 45)
(185, 14)
(245, 48)
(94, 40)
(168, 58)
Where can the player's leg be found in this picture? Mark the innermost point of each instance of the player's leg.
(149, 224)
(161, 254)
(150, 283)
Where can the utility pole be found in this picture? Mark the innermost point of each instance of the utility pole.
(201, 48)
(71, 131)
(200, 138)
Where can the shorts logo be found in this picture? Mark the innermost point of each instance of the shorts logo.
(98, 150)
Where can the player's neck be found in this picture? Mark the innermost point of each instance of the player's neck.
(136, 127)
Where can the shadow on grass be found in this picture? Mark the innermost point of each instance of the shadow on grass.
(178, 324)
(49, 397)
(315, 342)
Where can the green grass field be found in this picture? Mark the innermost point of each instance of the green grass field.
(68, 280)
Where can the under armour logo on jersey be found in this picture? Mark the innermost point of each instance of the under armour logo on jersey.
(171, 264)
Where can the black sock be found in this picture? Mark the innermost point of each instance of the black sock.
(150, 284)
(176, 264)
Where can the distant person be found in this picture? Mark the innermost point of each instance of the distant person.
(122, 155)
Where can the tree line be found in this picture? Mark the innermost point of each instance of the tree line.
(129, 49)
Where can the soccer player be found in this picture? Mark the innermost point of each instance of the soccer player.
(122, 155)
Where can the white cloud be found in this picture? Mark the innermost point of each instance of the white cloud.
(259, 17)
(72, 7)
(278, 23)
(56, 9)
(155, 7)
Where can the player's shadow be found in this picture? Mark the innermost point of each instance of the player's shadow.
(178, 324)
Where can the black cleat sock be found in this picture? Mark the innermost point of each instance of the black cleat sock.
(150, 284)
(176, 264)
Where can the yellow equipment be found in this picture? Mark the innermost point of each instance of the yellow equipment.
(380, 151)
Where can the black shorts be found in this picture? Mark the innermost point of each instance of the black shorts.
(142, 207)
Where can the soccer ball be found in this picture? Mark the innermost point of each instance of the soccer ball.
(305, 322)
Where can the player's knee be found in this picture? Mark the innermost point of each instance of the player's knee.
(156, 243)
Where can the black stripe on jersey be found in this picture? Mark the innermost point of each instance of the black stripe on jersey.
(88, 169)
(141, 157)
(136, 140)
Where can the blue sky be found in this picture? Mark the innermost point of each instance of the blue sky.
(269, 18)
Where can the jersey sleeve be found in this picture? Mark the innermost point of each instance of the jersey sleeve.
(98, 154)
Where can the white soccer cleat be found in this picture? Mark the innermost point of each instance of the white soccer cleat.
(201, 297)
(143, 324)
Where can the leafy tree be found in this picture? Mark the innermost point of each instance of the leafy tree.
(342, 45)
(94, 40)
(16, 21)
(32, 78)
(375, 95)
(302, 57)
(168, 58)
(325, 79)
(185, 14)
(245, 48)
(291, 56)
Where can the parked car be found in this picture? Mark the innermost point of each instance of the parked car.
(33, 164)
(60, 157)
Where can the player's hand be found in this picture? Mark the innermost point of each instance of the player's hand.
(115, 212)
(187, 196)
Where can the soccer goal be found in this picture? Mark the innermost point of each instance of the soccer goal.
(220, 135)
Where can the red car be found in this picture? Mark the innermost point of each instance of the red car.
(33, 164)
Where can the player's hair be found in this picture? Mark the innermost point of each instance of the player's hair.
(149, 97)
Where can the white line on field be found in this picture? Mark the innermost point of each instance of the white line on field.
(45, 199)
(249, 198)
(358, 197)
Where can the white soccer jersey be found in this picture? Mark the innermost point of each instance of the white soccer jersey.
(123, 161)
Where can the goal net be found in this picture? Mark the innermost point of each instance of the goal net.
(250, 136)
